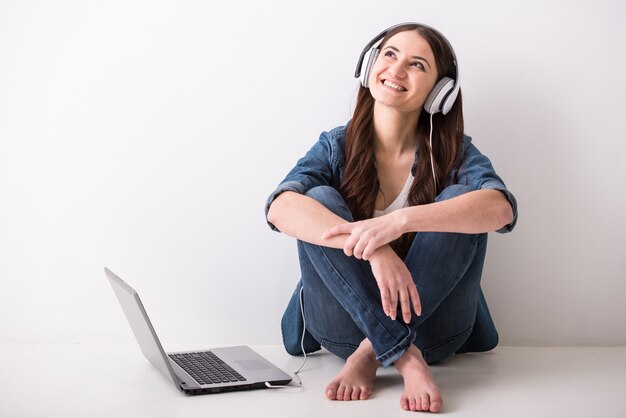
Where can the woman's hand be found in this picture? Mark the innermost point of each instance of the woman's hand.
(395, 283)
(368, 235)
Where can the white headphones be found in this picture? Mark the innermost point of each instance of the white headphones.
(441, 97)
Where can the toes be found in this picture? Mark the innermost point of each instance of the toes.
(410, 404)
(331, 391)
(356, 393)
(331, 394)
(340, 392)
(347, 394)
(365, 393)
(404, 404)
(436, 404)
(425, 401)
(415, 404)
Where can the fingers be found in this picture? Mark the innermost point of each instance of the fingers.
(415, 299)
(355, 245)
(393, 302)
(371, 247)
(358, 248)
(407, 297)
(405, 306)
(384, 296)
(360, 243)
(366, 245)
(336, 230)
(349, 245)
(357, 242)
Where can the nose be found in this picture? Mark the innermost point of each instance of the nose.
(397, 69)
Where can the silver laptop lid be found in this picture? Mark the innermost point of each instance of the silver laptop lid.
(141, 325)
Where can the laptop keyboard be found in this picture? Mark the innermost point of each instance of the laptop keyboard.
(206, 368)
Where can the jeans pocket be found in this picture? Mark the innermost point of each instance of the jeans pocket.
(343, 350)
(446, 348)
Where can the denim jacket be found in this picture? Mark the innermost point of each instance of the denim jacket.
(323, 165)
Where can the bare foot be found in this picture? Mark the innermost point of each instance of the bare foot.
(420, 391)
(356, 380)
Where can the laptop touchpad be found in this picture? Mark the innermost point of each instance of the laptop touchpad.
(253, 364)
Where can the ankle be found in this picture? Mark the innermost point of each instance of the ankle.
(365, 352)
(411, 358)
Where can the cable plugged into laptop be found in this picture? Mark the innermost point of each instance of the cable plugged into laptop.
(296, 377)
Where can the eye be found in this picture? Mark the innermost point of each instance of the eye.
(389, 53)
(418, 64)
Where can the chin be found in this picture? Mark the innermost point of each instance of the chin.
(397, 105)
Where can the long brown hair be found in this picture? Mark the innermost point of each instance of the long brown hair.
(360, 185)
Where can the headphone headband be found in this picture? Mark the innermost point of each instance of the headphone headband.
(444, 93)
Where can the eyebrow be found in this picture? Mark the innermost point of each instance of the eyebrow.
(414, 56)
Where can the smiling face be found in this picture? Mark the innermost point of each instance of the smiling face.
(404, 72)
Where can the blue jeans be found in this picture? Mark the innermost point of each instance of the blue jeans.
(342, 304)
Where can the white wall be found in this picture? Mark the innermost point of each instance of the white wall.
(145, 136)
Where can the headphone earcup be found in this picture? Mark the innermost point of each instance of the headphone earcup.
(435, 99)
(368, 63)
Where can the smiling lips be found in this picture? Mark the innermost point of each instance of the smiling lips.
(393, 85)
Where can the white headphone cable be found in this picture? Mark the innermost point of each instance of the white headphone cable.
(432, 163)
(296, 376)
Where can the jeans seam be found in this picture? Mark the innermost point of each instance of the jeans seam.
(345, 285)
(344, 345)
(447, 341)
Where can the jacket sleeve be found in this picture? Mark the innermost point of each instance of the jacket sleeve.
(477, 172)
(312, 170)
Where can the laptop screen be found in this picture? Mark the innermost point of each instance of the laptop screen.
(140, 324)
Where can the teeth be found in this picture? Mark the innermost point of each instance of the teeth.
(393, 85)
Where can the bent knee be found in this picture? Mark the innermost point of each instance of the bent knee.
(331, 199)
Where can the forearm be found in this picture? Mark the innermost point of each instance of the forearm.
(472, 213)
(305, 218)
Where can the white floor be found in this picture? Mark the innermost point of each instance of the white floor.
(114, 380)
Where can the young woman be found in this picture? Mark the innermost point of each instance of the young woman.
(391, 213)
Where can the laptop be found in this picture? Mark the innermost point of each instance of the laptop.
(196, 372)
